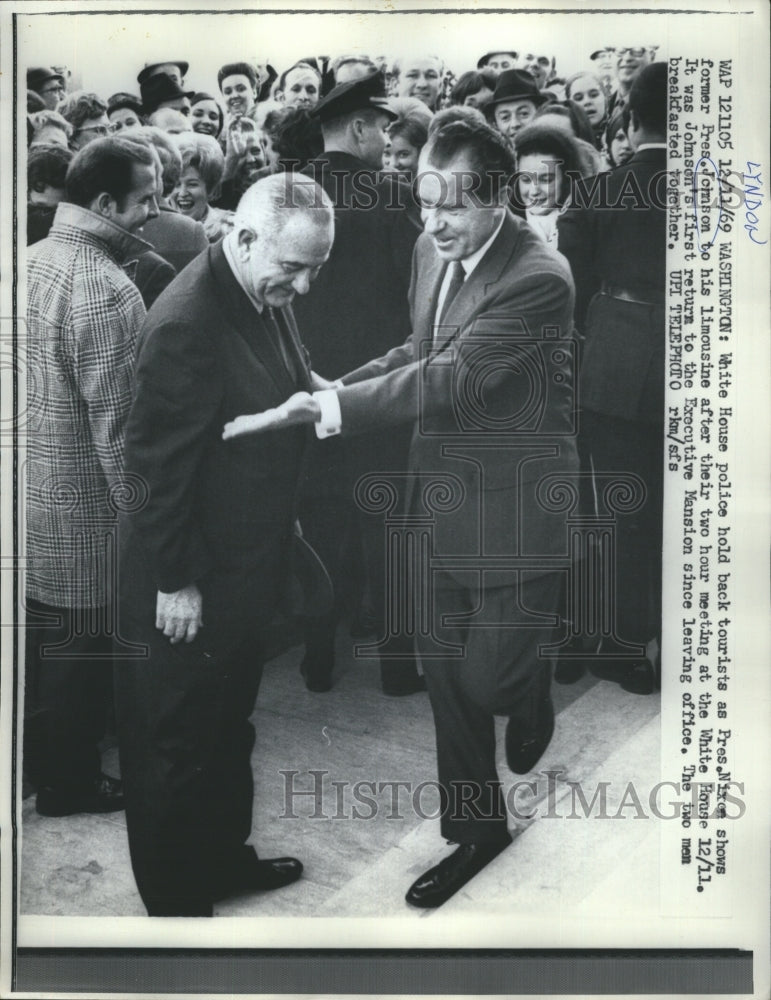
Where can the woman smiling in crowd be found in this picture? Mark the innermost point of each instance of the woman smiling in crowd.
(202, 167)
(547, 157)
(206, 115)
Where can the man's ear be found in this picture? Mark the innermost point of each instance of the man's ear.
(104, 204)
(634, 121)
(246, 237)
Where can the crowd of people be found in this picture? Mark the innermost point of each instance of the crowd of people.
(211, 271)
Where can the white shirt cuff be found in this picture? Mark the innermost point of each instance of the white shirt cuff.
(331, 419)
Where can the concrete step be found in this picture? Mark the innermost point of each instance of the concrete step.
(604, 735)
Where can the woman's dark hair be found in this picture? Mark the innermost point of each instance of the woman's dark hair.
(47, 167)
(296, 137)
(237, 69)
(618, 122)
(413, 128)
(471, 83)
(124, 100)
(580, 124)
(106, 165)
(547, 140)
(197, 98)
(488, 154)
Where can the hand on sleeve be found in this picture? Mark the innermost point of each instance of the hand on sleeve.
(301, 408)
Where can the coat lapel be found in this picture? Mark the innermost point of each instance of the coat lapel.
(425, 303)
(465, 305)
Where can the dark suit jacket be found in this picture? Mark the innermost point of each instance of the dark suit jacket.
(357, 308)
(175, 237)
(219, 514)
(622, 371)
(501, 338)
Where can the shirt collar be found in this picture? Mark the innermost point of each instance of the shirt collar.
(119, 241)
(469, 263)
(227, 249)
(651, 145)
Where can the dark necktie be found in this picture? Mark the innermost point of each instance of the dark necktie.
(278, 337)
(457, 277)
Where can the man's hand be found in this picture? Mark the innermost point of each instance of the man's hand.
(301, 408)
(179, 615)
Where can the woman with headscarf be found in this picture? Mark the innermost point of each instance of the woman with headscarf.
(547, 158)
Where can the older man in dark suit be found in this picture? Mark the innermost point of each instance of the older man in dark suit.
(205, 550)
(485, 381)
(615, 247)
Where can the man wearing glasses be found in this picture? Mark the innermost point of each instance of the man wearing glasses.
(629, 62)
(48, 84)
(87, 113)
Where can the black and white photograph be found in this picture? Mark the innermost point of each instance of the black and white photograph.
(385, 458)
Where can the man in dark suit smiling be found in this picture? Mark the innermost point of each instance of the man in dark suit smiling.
(485, 381)
(204, 552)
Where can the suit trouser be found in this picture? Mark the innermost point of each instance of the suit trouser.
(185, 749)
(499, 673)
(68, 687)
(617, 445)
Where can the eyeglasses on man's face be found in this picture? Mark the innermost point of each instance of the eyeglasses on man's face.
(637, 53)
(100, 130)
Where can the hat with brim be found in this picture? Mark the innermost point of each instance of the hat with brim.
(516, 85)
(42, 74)
(481, 63)
(356, 95)
(148, 70)
(158, 89)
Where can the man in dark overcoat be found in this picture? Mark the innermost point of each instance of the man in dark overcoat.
(205, 550)
(616, 249)
(357, 310)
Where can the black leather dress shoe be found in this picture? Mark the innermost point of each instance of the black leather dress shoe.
(642, 677)
(255, 875)
(102, 795)
(524, 750)
(442, 881)
(274, 873)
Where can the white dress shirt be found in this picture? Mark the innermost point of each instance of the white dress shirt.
(331, 420)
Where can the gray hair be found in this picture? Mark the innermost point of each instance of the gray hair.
(264, 206)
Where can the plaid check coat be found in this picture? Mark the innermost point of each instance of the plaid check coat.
(83, 316)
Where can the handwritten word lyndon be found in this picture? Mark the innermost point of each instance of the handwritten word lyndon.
(753, 200)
